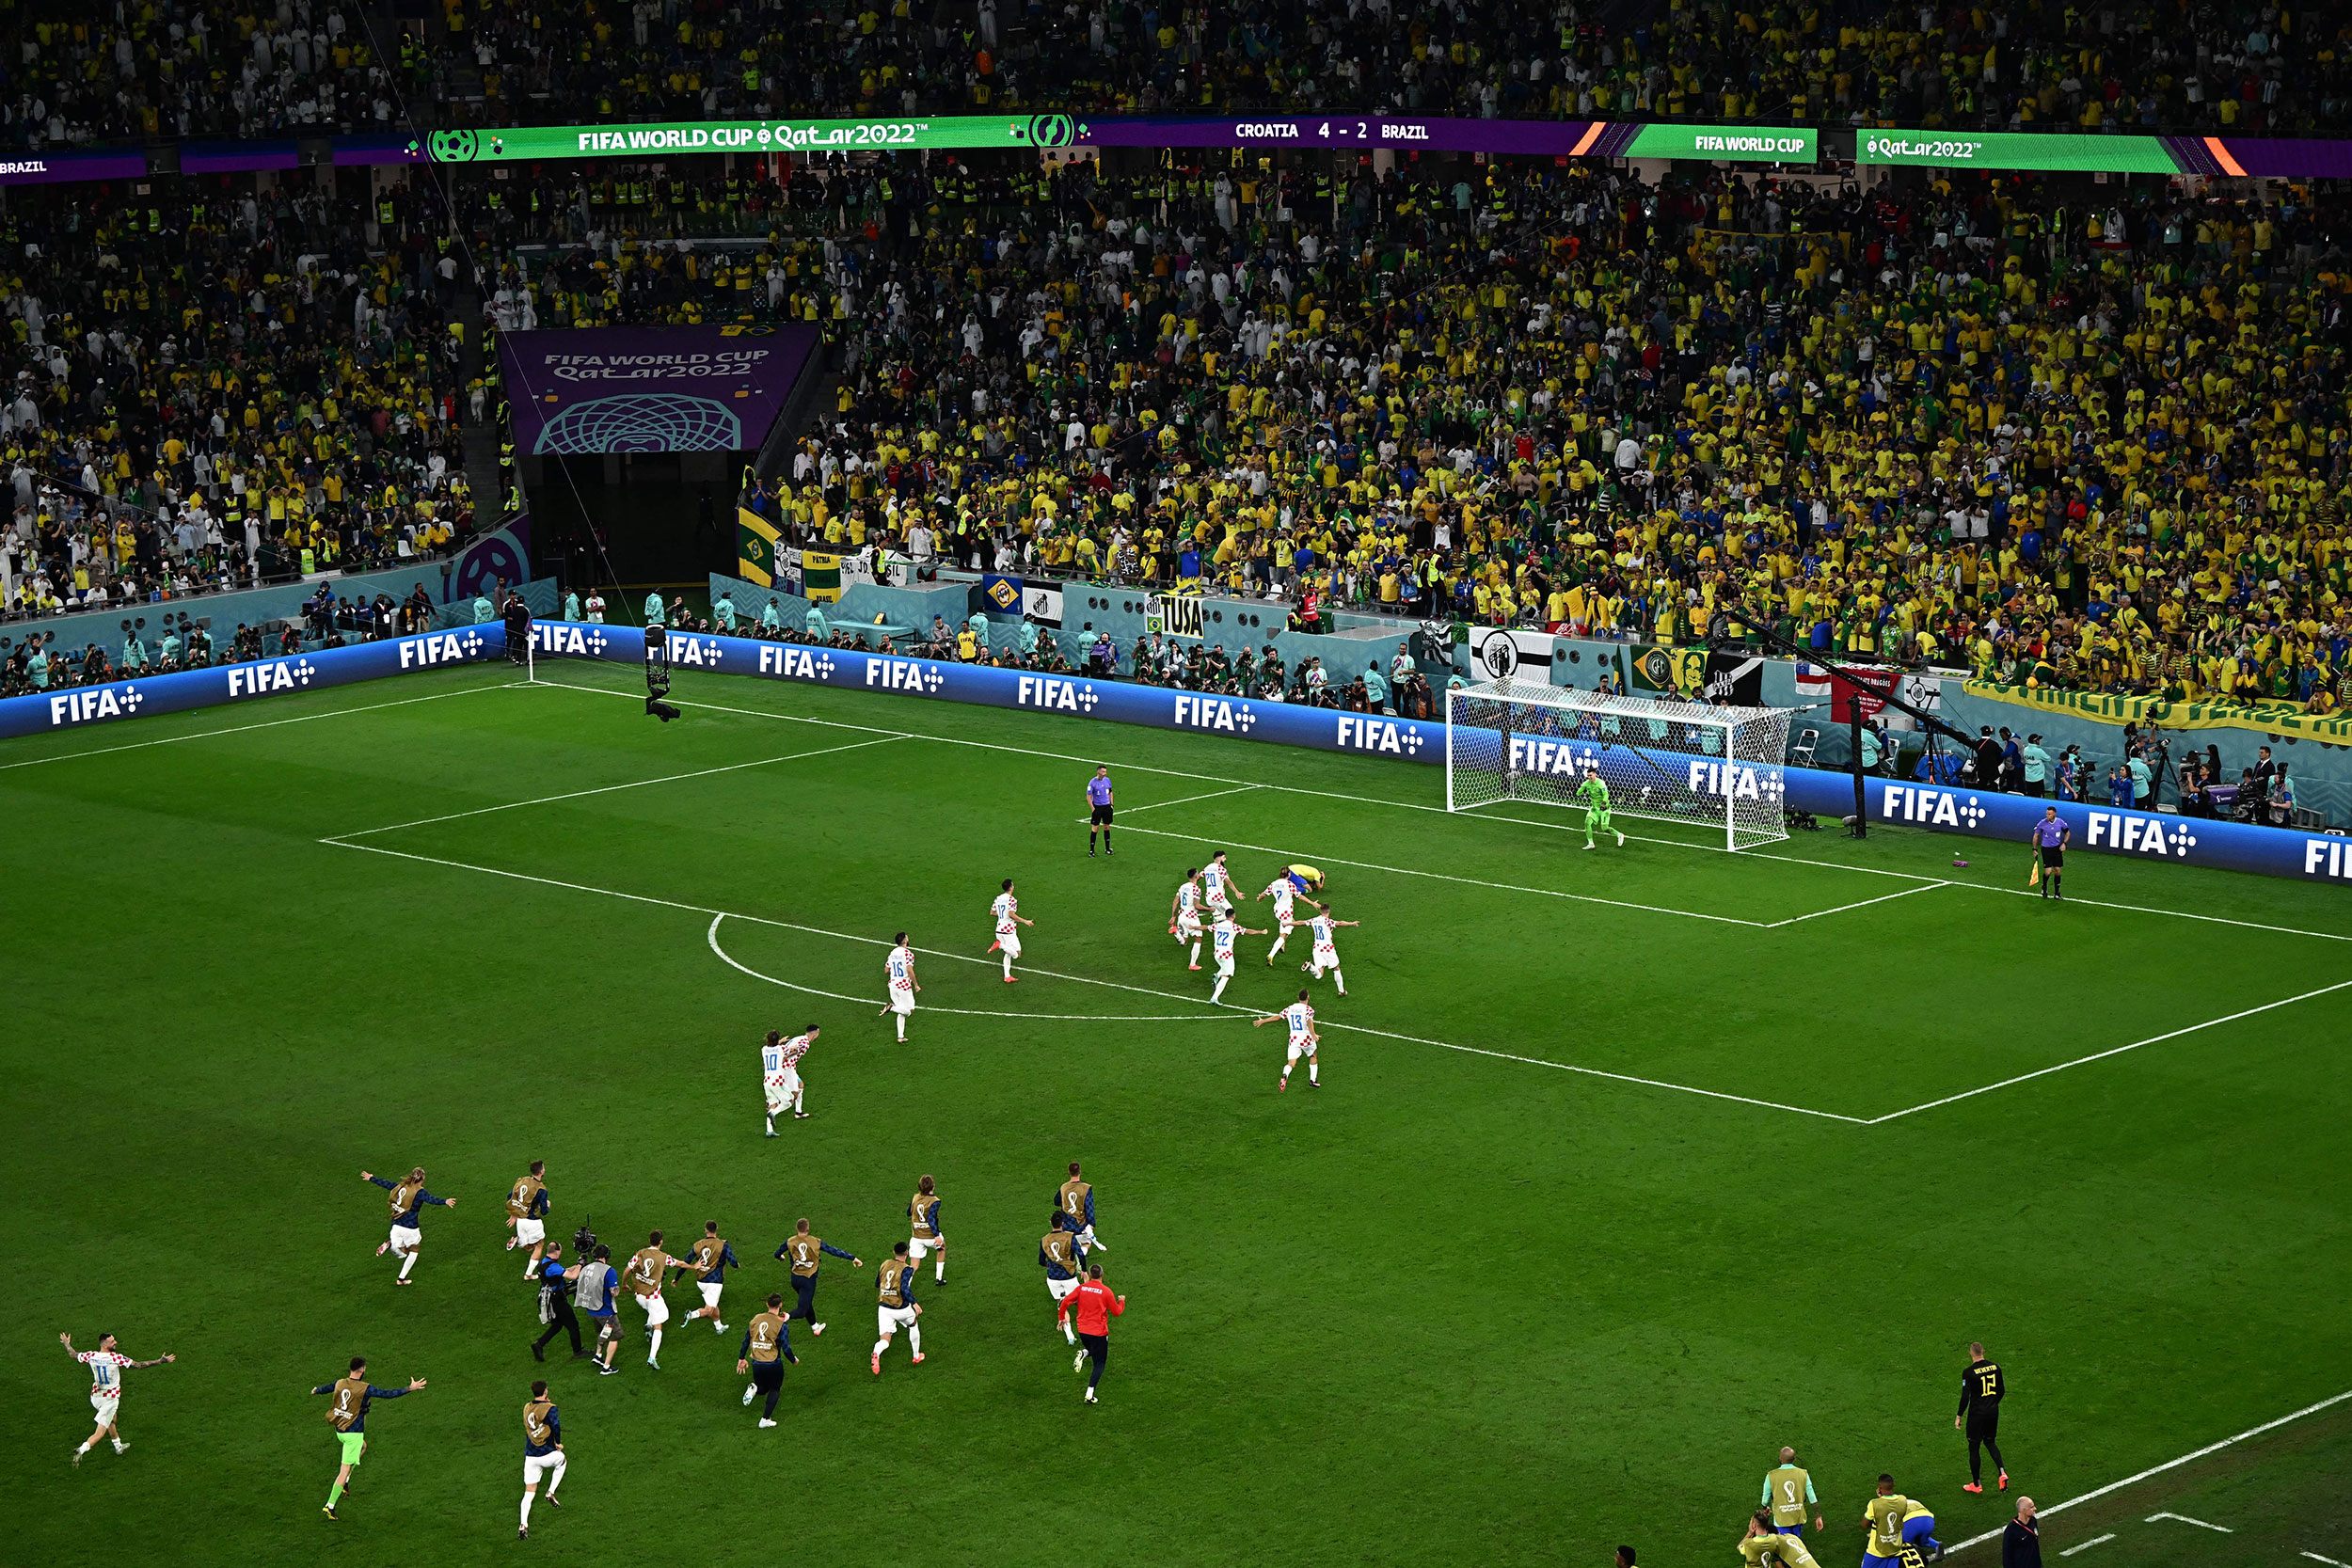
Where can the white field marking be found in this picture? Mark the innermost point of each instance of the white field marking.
(607, 789)
(2167, 1465)
(2115, 1051)
(264, 724)
(1416, 805)
(1860, 904)
(1212, 778)
(1467, 881)
(1587, 1071)
(2094, 1541)
(2177, 915)
(1241, 1008)
(1871, 1122)
(2217, 1529)
(1083, 979)
(1188, 800)
(729, 960)
(2330, 1561)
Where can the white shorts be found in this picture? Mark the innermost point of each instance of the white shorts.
(889, 1320)
(407, 1238)
(901, 1000)
(537, 1466)
(1219, 912)
(1285, 922)
(1302, 1048)
(105, 1404)
(656, 1309)
(1225, 966)
(529, 1232)
(918, 1248)
(1061, 1287)
(711, 1292)
(778, 1098)
(1009, 942)
(1187, 926)
(1326, 958)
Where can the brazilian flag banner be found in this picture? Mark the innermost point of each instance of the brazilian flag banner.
(756, 540)
(820, 577)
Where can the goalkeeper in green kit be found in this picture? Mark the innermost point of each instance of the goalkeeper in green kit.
(1593, 794)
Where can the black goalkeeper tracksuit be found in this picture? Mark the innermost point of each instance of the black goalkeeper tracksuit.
(1980, 1391)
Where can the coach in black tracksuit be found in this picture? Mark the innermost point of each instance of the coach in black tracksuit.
(1980, 1390)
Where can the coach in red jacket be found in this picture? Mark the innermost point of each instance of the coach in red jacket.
(1096, 1306)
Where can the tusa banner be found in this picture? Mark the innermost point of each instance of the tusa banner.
(40, 712)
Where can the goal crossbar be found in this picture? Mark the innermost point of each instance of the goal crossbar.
(1696, 763)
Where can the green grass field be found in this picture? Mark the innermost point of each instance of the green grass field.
(1627, 1167)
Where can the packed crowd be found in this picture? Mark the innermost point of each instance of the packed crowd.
(131, 73)
(2239, 66)
(2096, 448)
(209, 391)
(2173, 66)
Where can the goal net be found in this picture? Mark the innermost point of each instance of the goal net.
(1700, 764)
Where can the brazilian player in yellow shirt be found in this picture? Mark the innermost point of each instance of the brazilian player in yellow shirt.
(1765, 1547)
(1883, 1516)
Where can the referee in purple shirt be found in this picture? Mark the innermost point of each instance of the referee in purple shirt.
(2049, 838)
(1099, 796)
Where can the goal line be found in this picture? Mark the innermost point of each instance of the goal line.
(1693, 763)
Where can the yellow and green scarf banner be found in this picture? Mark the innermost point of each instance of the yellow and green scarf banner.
(2274, 718)
(820, 577)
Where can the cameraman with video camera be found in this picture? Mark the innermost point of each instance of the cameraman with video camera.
(555, 1301)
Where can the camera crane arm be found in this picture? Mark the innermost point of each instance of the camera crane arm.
(1779, 644)
(1719, 634)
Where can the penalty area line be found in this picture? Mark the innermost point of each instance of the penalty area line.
(2112, 1050)
(1467, 882)
(264, 724)
(1084, 979)
(2159, 1469)
(608, 790)
(1858, 904)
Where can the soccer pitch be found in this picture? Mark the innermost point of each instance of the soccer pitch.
(1627, 1167)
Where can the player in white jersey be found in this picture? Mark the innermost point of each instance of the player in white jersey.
(1300, 1017)
(1216, 885)
(900, 970)
(106, 1366)
(780, 1073)
(1007, 908)
(1221, 938)
(1184, 914)
(1283, 892)
(1326, 955)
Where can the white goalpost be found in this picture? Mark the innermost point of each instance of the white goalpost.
(1699, 763)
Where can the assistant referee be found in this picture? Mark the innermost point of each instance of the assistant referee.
(1099, 810)
(2049, 837)
(1980, 1391)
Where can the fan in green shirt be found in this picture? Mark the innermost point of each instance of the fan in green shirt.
(1594, 795)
